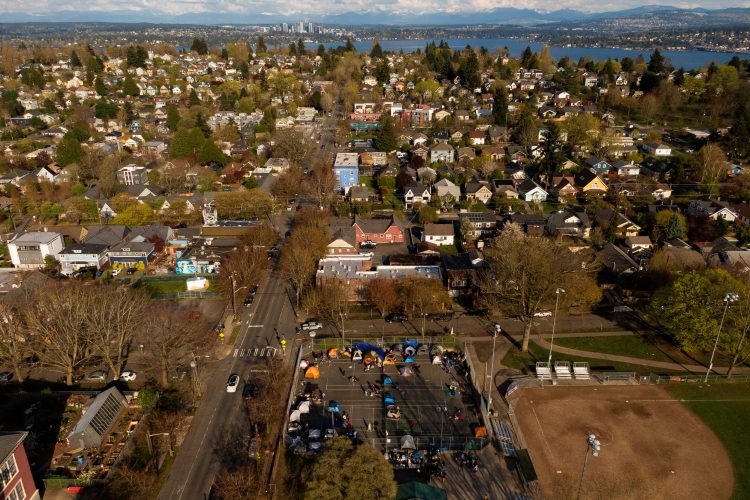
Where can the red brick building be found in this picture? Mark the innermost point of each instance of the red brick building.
(380, 231)
(15, 474)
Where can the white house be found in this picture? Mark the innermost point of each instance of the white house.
(81, 255)
(529, 190)
(438, 234)
(657, 149)
(28, 250)
(416, 193)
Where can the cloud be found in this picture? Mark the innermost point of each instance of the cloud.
(294, 8)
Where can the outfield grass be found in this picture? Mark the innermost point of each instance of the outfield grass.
(526, 361)
(725, 408)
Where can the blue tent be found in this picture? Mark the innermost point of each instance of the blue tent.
(389, 399)
(387, 381)
(412, 343)
(365, 347)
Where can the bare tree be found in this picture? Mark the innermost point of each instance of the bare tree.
(299, 258)
(14, 347)
(321, 184)
(58, 320)
(114, 316)
(423, 296)
(710, 164)
(523, 272)
(263, 235)
(383, 294)
(174, 333)
(245, 266)
(330, 303)
(292, 145)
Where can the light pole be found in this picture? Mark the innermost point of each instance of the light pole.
(150, 446)
(234, 293)
(728, 298)
(554, 322)
(592, 445)
(492, 368)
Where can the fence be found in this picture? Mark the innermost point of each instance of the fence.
(681, 379)
(321, 344)
(481, 401)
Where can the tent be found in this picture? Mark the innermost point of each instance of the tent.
(314, 434)
(409, 360)
(387, 381)
(294, 417)
(407, 443)
(357, 356)
(480, 431)
(420, 491)
(397, 347)
(389, 399)
(366, 347)
(437, 350)
(333, 352)
(312, 372)
(334, 407)
(390, 359)
(393, 412)
(410, 351)
(411, 343)
(304, 364)
(405, 371)
(436, 360)
(304, 407)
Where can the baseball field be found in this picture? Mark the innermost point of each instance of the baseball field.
(652, 445)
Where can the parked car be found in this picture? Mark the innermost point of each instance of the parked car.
(310, 325)
(97, 376)
(233, 382)
(368, 245)
(127, 376)
(543, 314)
(396, 317)
(132, 270)
(253, 290)
(248, 301)
(116, 271)
(249, 391)
(6, 377)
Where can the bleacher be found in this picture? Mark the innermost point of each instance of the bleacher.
(543, 370)
(581, 370)
(562, 370)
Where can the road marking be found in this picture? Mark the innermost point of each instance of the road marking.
(263, 352)
(255, 326)
(242, 352)
(235, 352)
(255, 352)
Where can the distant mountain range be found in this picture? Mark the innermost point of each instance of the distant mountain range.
(505, 15)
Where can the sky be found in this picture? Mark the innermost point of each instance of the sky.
(293, 9)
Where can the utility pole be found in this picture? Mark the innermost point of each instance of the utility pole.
(492, 371)
(554, 322)
(592, 445)
(234, 290)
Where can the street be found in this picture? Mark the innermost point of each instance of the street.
(220, 420)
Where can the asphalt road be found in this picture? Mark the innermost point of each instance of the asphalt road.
(220, 421)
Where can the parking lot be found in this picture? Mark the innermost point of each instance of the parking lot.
(435, 402)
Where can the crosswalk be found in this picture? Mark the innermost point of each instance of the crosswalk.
(255, 352)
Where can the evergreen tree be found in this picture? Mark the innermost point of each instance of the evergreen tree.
(224, 53)
(104, 109)
(527, 58)
(656, 64)
(186, 142)
(500, 107)
(69, 151)
(129, 87)
(468, 70)
(193, 98)
(321, 50)
(349, 47)
(201, 124)
(263, 80)
(300, 47)
(75, 61)
(173, 117)
(260, 47)
(675, 227)
(200, 46)
(101, 89)
(377, 51)
(385, 139)
(129, 112)
(210, 153)
(292, 49)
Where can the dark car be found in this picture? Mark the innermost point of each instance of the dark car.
(249, 391)
(253, 290)
(248, 301)
(396, 317)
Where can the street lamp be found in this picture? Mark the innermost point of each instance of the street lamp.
(592, 445)
(728, 298)
(497, 330)
(234, 293)
(554, 321)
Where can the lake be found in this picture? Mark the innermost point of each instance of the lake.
(688, 59)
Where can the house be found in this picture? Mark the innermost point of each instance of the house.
(657, 149)
(564, 188)
(416, 193)
(637, 244)
(505, 187)
(625, 227)
(444, 188)
(344, 242)
(712, 209)
(477, 137)
(100, 415)
(461, 273)
(529, 190)
(109, 235)
(346, 168)
(532, 224)
(589, 183)
(50, 173)
(482, 224)
(362, 194)
(477, 191)
(29, 250)
(438, 234)
(597, 166)
(82, 255)
(442, 153)
(569, 224)
(129, 254)
(466, 154)
(627, 168)
(130, 175)
(277, 165)
(387, 230)
(17, 478)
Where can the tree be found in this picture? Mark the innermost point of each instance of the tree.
(526, 132)
(69, 151)
(468, 70)
(58, 322)
(260, 47)
(322, 183)
(423, 296)
(186, 142)
(581, 129)
(174, 332)
(114, 317)
(385, 138)
(523, 272)
(200, 46)
(692, 306)
(173, 117)
(354, 466)
(500, 107)
(75, 61)
(121, 202)
(139, 214)
(299, 258)
(330, 303)
(292, 145)
(656, 63)
(104, 109)
(245, 266)
(383, 294)
(14, 342)
(377, 50)
(427, 214)
(210, 153)
(129, 87)
(675, 227)
(710, 164)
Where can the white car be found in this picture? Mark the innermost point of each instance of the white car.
(311, 325)
(116, 271)
(127, 376)
(543, 314)
(233, 382)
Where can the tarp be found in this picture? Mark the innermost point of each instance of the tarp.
(387, 381)
(312, 372)
(389, 399)
(333, 352)
(420, 491)
(366, 347)
(304, 364)
(437, 360)
(406, 371)
(411, 343)
(294, 417)
(437, 350)
(480, 431)
(407, 443)
(304, 407)
(390, 359)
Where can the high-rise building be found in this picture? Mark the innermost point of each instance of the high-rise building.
(301, 27)
(285, 27)
(310, 28)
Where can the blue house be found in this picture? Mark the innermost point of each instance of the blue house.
(598, 166)
(346, 168)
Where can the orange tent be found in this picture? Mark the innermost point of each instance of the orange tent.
(312, 372)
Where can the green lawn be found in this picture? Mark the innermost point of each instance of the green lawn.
(526, 361)
(725, 408)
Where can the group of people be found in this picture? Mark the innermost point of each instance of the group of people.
(468, 460)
